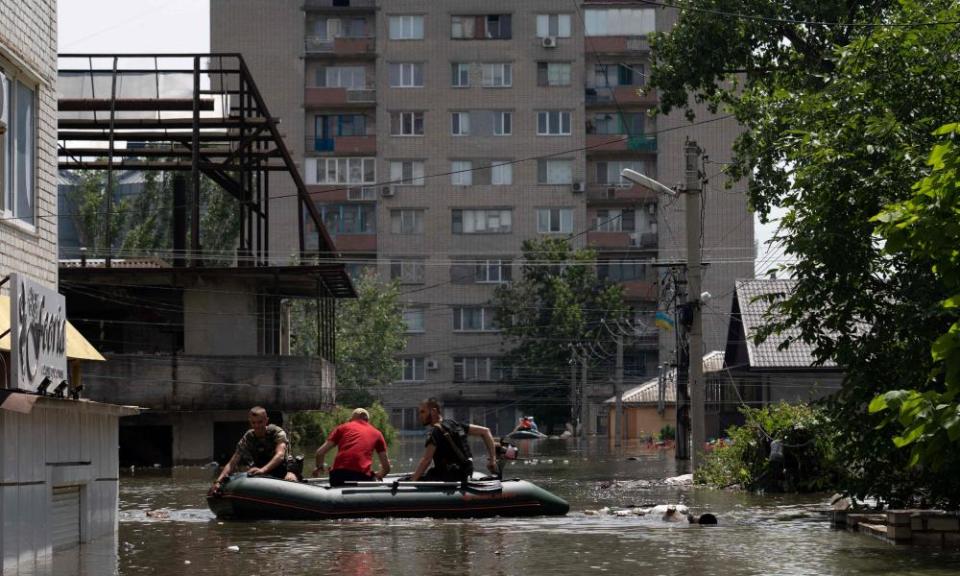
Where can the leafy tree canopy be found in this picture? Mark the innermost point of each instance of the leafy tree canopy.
(558, 302)
(840, 101)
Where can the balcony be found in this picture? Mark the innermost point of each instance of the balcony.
(339, 97)
(181, 382)
(621, 241)
(621, 96)
(608, 193)
(344, 145)
(356, 242)
(339, 5)
(601, 143)
(343, 46)
(616, 44)
(643, 290)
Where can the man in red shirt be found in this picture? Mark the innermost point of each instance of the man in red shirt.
(356, 441)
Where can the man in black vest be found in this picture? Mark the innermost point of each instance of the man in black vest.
(447, 446)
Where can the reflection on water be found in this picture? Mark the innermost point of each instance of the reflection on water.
(756, 535)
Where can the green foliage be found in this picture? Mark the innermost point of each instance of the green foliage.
(87, 206)
(311, 428)
(926, 228)
(810, 461)
(369, 335)
(558, 300)
(668, 432)
(839, 122)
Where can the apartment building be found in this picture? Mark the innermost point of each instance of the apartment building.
(437, 136)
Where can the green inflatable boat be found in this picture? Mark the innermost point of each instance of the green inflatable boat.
(256, 498)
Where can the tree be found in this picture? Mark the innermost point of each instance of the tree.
(926, 227)
(369, 335)
(839, 116)
(87, 205)
(548, 315)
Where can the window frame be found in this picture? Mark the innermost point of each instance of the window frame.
(457, 72)
(546, 172)
(415, 69)
(551, 18)
(323, 170)
(487, 319)
(488, 79)
(461, 172)
(407, 221)
(11, 171)
(503, 167)
(408, 270)
(403, 33)
(498, 123)
(486, 265)
(414, 179)
(457, 123)
(560, 213)
(401, 118)
(478, 369)
(548, 124)
(543, 74)
(503, 214)
(415, 361)
(417, 310)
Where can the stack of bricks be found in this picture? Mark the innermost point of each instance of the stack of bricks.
(918, 527)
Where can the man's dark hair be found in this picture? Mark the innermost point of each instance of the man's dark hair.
(433, 403)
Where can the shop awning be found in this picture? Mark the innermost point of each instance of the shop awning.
(77, 346)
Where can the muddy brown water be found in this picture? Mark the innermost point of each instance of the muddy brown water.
(757, 534)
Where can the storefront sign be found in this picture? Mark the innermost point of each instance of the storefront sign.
(38, 335)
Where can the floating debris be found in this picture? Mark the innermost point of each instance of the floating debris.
(233, 548)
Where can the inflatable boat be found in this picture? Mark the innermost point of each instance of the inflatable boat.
(244, 497)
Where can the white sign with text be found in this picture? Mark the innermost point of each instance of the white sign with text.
(38, 335)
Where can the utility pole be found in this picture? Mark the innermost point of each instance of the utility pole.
(695, 337)
(582, 404)
(682, 379)
(618, 392)
(573, 391)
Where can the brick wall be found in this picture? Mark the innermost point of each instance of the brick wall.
(28, 42)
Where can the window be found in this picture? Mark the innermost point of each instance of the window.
(609, 172)
(498, 75)
(460, 75)
(18, 152)
(619, 21)
(413, 318)
(492, 271)
(362, 193)
(460, 123)
(553, 123)
(406, 221)
(406, 123)
(346, 171)
(462, 27)
(553, 73)
(407, 172)
(412, 369)
(407, 271)
(474, 319)
(482, 221)
(616, 220)
(406, 75)
(618, 271)
(502, 123)
(554, 172)
(326, 29)
(612, 75)
(556, 25)
(349, 218)
(498, 27)
(327, 126)
(461, 173)
(481, 369)
(501, 173)
(555, 220)
(349, 77)
(406, 27)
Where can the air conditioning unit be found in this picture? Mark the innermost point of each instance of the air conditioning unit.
(579, 187)
(432, 364)
(549, 41)
(611, 192)
(4, 102)
(387, 191)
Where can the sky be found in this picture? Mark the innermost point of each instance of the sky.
(183, 26)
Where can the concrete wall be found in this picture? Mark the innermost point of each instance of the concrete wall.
(641, 421)
(28, 46)
(211, 382)
(59, 443)
(220, 318)
(269, 35)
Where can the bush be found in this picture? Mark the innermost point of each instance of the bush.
(808, 462)
(311, 428)
(667, 433)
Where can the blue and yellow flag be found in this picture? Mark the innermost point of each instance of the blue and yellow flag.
(663, 321)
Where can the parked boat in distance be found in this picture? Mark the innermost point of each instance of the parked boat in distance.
(255, 498)
(526, 435)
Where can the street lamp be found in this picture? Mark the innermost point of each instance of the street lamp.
(695, 335)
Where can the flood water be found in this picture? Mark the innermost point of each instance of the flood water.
(756, 535)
